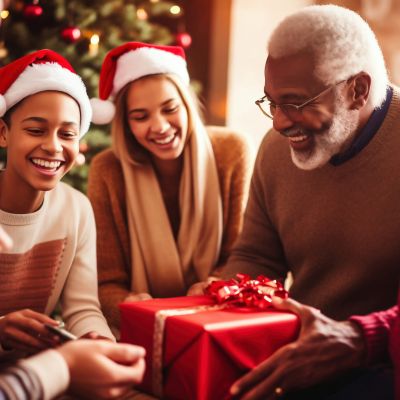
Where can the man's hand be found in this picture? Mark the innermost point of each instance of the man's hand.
(325, 348)
(137, 297)
(103, 370)
(197, 289)
(25, 330)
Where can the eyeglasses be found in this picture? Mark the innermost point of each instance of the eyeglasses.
(268, 107)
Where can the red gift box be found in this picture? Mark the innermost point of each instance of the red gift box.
(200, 353)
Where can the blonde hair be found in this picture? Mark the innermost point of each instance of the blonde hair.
(342, 42)
(124, 143)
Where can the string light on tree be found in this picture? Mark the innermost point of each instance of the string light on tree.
(175, 10)
(142, 14)
(94, 45)
(3, 51)
(4, 14)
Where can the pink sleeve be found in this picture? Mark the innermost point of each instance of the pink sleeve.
(376, 328)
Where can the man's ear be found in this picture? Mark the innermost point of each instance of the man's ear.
(359, 90)
(4, 132)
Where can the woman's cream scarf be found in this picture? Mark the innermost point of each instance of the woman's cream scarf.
(162, 266)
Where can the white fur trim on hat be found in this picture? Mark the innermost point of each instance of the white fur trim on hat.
(147, 61)
(50, 76)
(103, 111)
(3, 105)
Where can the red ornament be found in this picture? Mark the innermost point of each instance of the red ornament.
(33, 11)
(183, 39)
(71, 34)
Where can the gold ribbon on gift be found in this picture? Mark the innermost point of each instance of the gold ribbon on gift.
(158, 339)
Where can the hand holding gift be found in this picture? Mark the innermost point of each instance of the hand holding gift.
(198, 288)
(324, 348)
(137, 297)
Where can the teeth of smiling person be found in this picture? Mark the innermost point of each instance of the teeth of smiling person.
(46, 164)
(165, 140)
(298, 138)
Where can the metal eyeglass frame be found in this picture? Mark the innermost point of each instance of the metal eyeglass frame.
(295, 107)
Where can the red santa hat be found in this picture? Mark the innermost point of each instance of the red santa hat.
(38, 72)
(129, 62)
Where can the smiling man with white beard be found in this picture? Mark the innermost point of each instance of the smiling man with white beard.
(328, 142)
(324, 198)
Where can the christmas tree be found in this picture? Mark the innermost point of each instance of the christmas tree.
(83, 31)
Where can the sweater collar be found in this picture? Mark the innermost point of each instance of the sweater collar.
(367, 133)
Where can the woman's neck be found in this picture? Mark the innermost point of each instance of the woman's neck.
(168, 170)
(168, 174)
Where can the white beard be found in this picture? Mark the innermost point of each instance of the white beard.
(330, 142)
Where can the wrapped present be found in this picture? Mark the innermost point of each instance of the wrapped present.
(198, 346)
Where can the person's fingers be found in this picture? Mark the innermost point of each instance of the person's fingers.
(16, 345)
(269, 367)
(24, 341)
(43, 318)
(289, 305)
(123, 353)
(132, 374)
(32, 327)
(252, 378)
(264, 389)
(307, 314)
(144, 296)
(197, 289)
(26, 331)
(138, 297)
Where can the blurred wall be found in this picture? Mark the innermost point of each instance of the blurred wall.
(383, 16)
(251, 24)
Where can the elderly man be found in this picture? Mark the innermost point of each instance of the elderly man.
(324, 199)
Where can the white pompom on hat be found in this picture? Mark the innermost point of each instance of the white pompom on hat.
(41, 71)
(131, 61)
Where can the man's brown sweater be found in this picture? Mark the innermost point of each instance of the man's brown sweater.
(337, 228)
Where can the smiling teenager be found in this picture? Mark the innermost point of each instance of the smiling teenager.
(44, 112)
(169, 197)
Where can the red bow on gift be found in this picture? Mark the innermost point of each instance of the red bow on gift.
(246, 292)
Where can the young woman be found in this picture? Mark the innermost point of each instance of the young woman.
(169, 196)
(44, 110)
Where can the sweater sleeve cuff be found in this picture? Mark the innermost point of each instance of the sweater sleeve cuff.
(375, 335)
(52, 371)
(93, 324)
